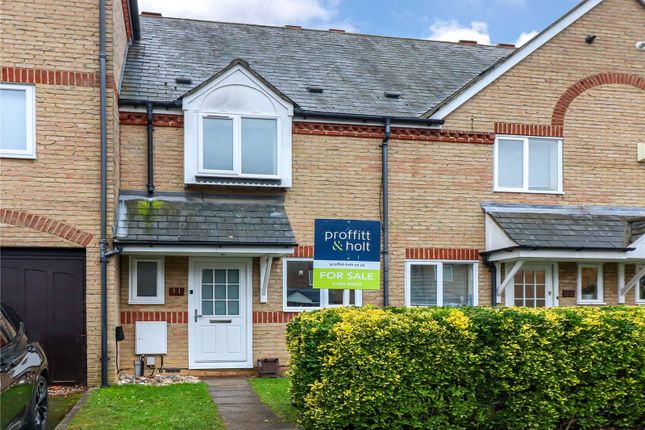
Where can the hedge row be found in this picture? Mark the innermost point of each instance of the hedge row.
(441, 368)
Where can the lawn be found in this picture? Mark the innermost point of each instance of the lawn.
(58, 408)
(274, 392)
(177, 406)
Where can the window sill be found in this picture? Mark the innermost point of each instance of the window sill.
(19, 156)
(557, 193)
(591, 303)
(140, 302)
(298, 310)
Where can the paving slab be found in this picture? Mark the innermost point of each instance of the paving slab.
(241, 408)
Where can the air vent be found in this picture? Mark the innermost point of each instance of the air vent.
(183, 80)
(468, 42)
(336, 30)
(293, 27)
(151, 14)
(315, 90)
(506, 45)
(392, 95)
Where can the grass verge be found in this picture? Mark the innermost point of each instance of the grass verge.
(274, 392)
(177, 406)
(58, 408)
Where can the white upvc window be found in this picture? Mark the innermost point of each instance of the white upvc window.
(640, 287)
(590, 284)
(239, 146)
(146, 280)
(441, 283)
(528, 165)
(299, 293)
(17, 121)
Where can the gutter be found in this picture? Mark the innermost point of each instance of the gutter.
(172, 104)
(493, 280)
(304, 114)
(554, 248)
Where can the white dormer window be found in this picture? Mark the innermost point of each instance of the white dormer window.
(239, 145)
(237, 131)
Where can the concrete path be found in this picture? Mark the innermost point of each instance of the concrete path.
(241, 408)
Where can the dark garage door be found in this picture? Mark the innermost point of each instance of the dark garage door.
(46, 287)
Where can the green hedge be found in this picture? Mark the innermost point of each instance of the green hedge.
(441, 368)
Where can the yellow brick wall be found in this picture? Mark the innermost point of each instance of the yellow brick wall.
(62, 183)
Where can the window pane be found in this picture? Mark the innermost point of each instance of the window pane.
(218, 144)
(220, 307)
(335, 297)
(13, 120)
(510, 161)
(543, 164)
(457, 288)
(233, 292)
(423, 285)
(641, 288)
(207, 276)
(207, 307)
(146, 279)
(234, 307)
(300, 293)
(352, 297)
(589, 287)
(233, 276)
(220, 291)
(207, 291)
(220, 276)
(259, 146)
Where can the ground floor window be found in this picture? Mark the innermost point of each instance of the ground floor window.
(299, 293)
(146, 280)
(439, 283)
(590, 284)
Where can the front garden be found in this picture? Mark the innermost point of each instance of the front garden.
(441, 368)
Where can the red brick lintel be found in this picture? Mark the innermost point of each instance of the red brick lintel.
(46, 225)
(23, 75)
(529, 129)
(180, 317)
(442, 254)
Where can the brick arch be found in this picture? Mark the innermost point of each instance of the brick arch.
(46, 225)
(560, 110)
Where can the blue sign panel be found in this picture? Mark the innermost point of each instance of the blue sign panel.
(347, 254)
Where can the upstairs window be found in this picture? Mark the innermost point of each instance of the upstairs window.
(17, 135)
(239, 146)
(528, 164)
(299, 293)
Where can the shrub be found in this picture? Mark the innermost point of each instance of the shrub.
(441, 368)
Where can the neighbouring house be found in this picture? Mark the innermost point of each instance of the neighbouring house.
(504, 176)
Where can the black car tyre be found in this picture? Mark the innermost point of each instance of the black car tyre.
(38, 407)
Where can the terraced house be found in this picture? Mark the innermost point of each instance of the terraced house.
(502, 176)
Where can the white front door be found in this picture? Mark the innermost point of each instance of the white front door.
(532, 287)
(219, 310)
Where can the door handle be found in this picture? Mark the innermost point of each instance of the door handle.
(196, 315)
(221, 321)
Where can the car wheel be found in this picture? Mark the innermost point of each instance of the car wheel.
(38, 407)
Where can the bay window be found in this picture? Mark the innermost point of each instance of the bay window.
(299, 293)
(437, 283)
(528, 164)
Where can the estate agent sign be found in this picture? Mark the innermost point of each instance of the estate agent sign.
(347, 254)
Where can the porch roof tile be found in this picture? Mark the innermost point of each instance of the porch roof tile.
(200, 218)
(561, 229)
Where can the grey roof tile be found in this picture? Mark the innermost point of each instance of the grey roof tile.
(261, 220)
(568, 230)
(354, 70)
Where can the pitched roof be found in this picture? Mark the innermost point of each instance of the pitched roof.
(354, 70)
(196, 218)
(569, 227)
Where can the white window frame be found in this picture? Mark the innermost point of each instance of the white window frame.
(237, 146)
(639, 300)
(30, 119)
(599, 282)
(159, 299)
(324, 293)
(525, 165)
(439, 264)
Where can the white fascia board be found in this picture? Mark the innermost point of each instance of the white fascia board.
(563, 255)
(208, 251)
(516, 57)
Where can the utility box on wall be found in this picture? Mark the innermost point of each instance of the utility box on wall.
(641, 153)
(151, 338)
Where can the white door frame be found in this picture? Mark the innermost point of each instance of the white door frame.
(247, 306)
(551, 278)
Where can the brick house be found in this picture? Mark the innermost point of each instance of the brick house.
(514, 176)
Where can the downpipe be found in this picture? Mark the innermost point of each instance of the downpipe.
(386, 260)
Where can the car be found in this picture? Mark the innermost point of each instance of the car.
(23, 376)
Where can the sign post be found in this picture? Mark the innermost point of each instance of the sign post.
(347, 254)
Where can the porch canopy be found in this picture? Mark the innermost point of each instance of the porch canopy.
(520, 234)
(202, 224)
